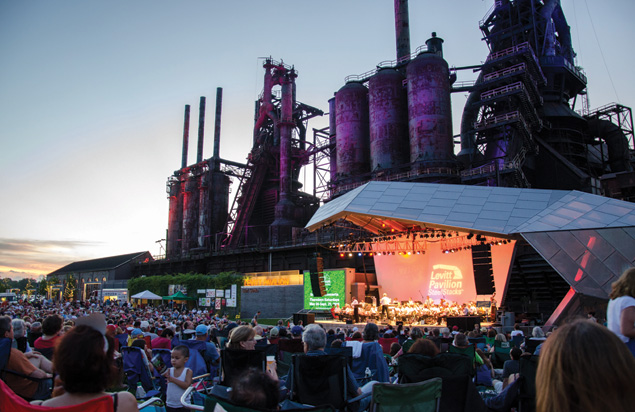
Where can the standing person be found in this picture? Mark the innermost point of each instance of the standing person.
(179, 378)
(620, 313)
(384, 302)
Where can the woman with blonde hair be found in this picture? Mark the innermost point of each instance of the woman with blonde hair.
(578, 360)
(244, 338)
(620, 314)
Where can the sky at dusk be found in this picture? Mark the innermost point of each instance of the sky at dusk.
(92, 95)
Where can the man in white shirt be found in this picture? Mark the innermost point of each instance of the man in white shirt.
(384, 302)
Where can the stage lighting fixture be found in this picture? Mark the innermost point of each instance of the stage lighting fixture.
(341, 255)
(350, 255)
(426, 235)
(409, 253)
(470, 236)
(418, 252)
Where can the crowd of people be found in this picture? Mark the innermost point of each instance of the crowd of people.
(582, 365)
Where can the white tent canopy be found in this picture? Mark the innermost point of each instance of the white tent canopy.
(146, 294)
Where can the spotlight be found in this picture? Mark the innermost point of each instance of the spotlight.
(341, 255)
(426, 235)
(446, 251)
(418, 252)
(350, 255)
(409, 253)
(470, 236)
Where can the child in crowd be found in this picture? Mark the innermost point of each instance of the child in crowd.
(179, 378)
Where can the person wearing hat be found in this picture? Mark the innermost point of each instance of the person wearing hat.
(134, 335)
(296, 332)
(211, 354)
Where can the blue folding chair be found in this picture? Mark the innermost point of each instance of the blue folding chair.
(196, 362)
(136, 371)
(372, 357)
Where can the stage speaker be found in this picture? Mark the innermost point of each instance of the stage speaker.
(316, 269)
(483, 273)
(306, 318)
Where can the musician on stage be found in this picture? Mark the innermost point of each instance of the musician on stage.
(492, 309)
(384, 302)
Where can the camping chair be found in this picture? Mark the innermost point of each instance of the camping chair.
(196, 362)
(5, 354)
(372, 357)
(210, 402)
(458, 393)
(166, 356)
(531, 344)
(234, 362)
(518, 340)
(501, 354)
(445, 343)
(344, 351)
(478, 342)
(527, 382)
(410, 397)
(414, 367)
(469, 351)
(137, 371)
(123, 340)
(386, 342)
(319, 380)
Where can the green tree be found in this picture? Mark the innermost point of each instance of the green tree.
(71, 288)
(42, 287)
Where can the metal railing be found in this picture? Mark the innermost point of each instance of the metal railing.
(386, 64)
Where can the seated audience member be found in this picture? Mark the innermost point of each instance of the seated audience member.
(244, 338)
(517, 331)
(20, 341)
(35, 331)
(85, 374)
(314, 340)
(30, 364)
(337, 343)
(146, 352)
(211, 354)
(51, 328)
(164, 341)
(424, 347)
(394, 348)
(485, 372)
(255, 389)
(584, 367)
(274, 335)
(511, 366)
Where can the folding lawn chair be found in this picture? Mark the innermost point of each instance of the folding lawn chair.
(137, 371)
(410, 397)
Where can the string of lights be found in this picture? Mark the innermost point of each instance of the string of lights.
(414, 243)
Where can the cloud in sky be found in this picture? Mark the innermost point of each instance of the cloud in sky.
(20, 258)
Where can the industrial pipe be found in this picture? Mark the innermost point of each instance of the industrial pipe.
(219, 107)
(186, 136)
(616, 142)
(402, 30)
(201, 129)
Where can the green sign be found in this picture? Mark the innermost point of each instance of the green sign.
(335, 284)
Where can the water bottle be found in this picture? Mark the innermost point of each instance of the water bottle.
(368, 372)
(140, 391)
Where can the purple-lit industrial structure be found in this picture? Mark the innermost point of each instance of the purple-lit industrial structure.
(394, 123)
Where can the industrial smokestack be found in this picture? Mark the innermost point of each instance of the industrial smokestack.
(201, 129)
(402, 30)
(186, 136)
(219, 107)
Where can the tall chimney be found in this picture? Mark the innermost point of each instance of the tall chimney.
(201, 129)
(219, 107)
(402, 30)
(186, 136)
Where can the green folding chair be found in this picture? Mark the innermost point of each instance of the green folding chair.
(409, 397)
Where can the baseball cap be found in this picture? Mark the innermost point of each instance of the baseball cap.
(136, 332)
(296, 330)
(201, 330)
